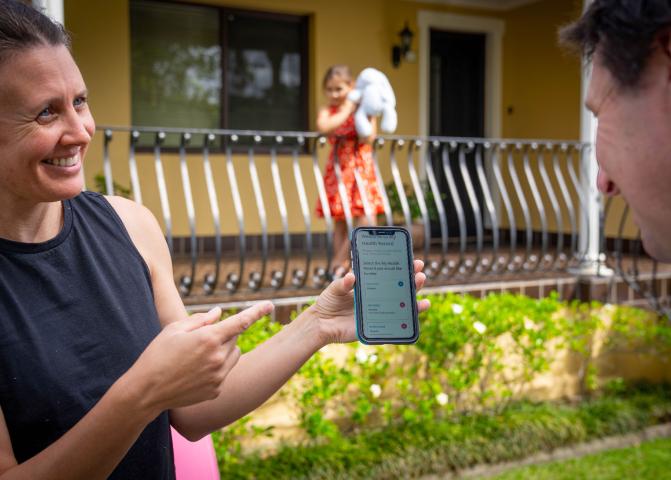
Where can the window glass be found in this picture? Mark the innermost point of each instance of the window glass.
(264, 81)
(178, 79)
(175, 66)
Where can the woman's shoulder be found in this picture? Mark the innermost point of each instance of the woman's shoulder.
(141, 224)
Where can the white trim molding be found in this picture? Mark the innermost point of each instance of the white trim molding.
(52, 8)
(493, 29)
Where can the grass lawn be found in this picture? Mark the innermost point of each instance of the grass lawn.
(650, 460)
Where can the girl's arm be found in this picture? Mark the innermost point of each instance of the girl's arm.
(370, 138)
(327, 123)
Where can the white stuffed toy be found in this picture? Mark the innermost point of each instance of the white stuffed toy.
(375, 96)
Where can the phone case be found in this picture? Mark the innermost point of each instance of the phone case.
(383, 341)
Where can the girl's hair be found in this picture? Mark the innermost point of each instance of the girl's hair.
(337, 71)
(22, 27)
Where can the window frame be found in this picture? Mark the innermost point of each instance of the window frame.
(303, 24)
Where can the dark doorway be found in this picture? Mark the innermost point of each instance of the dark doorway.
(457, 108)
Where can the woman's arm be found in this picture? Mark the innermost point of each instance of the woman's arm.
(259, 373)
(93, 447)
(262, 371)
(327, 123)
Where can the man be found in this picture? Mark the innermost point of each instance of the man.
(629, 43)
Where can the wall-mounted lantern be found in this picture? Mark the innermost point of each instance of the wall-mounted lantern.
(403, 51)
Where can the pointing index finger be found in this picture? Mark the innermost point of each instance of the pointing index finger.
(238, 323)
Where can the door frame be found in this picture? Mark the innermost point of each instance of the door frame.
(493, 29)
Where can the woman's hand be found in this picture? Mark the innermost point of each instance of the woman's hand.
(334, 307)
(189, 360)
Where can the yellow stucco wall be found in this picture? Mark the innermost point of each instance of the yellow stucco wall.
(539, 82)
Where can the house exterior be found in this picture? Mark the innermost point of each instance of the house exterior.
(530, 88)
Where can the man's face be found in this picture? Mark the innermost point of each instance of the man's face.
(633, 146)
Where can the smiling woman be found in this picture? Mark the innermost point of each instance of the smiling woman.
(45, 129)
(98, 357)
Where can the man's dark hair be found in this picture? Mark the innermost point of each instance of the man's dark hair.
(625, 31)
(22, 27)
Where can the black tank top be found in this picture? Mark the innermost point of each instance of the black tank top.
(75, 313)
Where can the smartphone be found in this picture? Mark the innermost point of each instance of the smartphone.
(385, 304)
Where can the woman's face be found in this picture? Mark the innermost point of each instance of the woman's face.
(45, 126)
(336, 90)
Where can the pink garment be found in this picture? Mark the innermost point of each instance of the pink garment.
(194, 460)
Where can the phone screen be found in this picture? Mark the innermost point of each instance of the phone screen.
(385, 289)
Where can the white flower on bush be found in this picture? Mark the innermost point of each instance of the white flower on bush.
(372, 358)
(480, 327)
(361, 355)
(457, 309)
(442, 398)
(375, 390)
(529, 324)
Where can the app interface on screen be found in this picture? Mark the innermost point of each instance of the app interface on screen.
(385, 293)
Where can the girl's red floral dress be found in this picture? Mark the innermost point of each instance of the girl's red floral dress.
(352, 155)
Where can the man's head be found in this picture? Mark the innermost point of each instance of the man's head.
(630, 93)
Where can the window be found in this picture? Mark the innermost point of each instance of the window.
(195, 66)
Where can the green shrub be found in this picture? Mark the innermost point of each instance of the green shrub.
(385, 406)
(408, 451)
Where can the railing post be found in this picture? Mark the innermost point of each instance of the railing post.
(52, 8)
(591, 220)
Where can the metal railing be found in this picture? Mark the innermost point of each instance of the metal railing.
(625, 258)
(479, 206)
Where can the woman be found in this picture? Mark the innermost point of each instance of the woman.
(97, 354)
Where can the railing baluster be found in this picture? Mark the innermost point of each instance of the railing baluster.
(107, 164)
(321, 274)
(489, 203)
(473, 200)
(503, 190)
(454, 194)
(602, 232)
(379, 143)
(299, 277)
(419, 195)
(398, 182)
(255, 277)
(132, 167)
(581, 199)
(553, 202)
(163, 190)
(212, 279)
(523, 204)
(539, 205)
(362, 188)
(618, 243)
(233, 279)
(278, 277)
(186, 281)
(342, 191)
(437, 268)
(567, 197)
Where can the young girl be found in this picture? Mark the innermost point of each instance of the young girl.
(354, 154)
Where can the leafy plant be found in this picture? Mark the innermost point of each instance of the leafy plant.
(413, 204)
(475, 359)
(101, 187)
